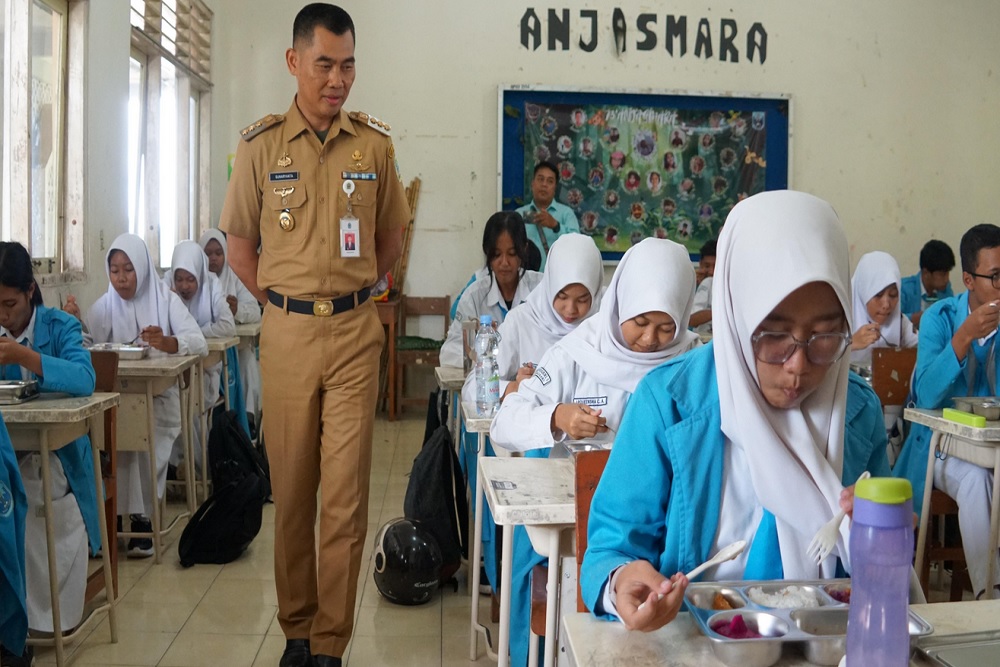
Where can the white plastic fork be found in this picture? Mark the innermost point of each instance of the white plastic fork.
(826, 537)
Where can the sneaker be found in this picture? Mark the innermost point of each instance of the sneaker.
(484, 582)
(8, 659)
(140, 547)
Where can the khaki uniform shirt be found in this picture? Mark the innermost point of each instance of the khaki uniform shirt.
(281, 167)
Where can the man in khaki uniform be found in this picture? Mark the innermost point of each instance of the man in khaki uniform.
(319, 190)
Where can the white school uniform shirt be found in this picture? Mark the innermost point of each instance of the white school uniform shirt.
(592, 365)
(247, 307)
(703, 301)
(114, 320)
(483, 298)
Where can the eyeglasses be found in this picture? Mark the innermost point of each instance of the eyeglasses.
(822, 349)
(993, 278)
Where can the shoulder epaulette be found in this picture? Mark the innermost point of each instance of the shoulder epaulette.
(370, 121)
(267, 122)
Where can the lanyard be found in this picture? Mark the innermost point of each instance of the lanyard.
(991, 368)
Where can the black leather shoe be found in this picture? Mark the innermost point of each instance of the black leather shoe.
(296, 654)
(326, 661)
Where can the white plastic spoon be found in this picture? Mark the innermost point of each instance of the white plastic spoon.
(724, 554)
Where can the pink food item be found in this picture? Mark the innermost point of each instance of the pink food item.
(842, 595)
(736, 628)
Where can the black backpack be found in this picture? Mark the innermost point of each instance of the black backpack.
(231, 455)
(435, 496)
(230, 518)
(225, 524)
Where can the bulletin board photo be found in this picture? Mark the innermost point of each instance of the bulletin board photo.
(638, 165)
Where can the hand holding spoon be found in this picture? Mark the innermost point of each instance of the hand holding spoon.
(725, 554)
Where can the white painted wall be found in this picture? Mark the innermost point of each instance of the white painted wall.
(894, 107)
(894, 103)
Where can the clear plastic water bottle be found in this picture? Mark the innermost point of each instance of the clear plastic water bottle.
(881, 551)
(487, 369)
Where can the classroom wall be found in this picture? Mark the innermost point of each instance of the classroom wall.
(893, 102)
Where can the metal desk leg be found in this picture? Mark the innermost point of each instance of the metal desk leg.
(477, 552)
(926, 505)
(50, 544)
(96, 424)
(153, 480)
(506, 556)
(994, 524)
(552, 599)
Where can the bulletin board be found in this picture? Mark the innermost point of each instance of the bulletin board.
(634, 165)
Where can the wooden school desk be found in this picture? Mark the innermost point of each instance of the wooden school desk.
(140, 381)
(45, 425)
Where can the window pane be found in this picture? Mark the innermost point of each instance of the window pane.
(136, 116)
(46, 125)
(193, 163)
(168, 162)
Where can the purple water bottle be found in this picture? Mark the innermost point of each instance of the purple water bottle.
(881, 551)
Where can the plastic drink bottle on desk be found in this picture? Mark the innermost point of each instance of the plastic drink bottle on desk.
(487, 368)
(881, 550)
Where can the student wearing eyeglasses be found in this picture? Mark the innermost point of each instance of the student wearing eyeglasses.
(956, 356)
(752, 437)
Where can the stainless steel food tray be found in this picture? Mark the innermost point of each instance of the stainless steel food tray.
(970, 650)
(13, 392)
(125, 352)
(818, 632)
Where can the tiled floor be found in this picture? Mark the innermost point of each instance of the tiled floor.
(224, 615)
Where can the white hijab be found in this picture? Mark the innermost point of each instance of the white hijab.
(653, 275)
(573, 258)
(227, 279)
(149, 307)
(772, 244)
(190, 257)
(874, 273)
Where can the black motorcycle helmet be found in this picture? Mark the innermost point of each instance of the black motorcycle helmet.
(407, 562)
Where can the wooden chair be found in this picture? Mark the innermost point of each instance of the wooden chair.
(589, 468)
(892, 371)
(415, 350)
(106, 369)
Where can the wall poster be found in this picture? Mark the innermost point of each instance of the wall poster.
(636, 165)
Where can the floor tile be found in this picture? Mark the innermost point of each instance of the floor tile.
(192, 649)
(375, 651)
(133, 648)
(233, 619)
(389, 620)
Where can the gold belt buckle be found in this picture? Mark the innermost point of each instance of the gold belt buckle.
(322, 308)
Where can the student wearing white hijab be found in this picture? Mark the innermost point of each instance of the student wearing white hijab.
(570, 292)
(583, 383)
(138, 306)
(244, 307)
(752, 437)
(878, 321)
(202, 293)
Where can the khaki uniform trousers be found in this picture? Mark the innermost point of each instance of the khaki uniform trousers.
(320, 384)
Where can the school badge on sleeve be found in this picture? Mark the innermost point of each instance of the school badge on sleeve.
(6, 500)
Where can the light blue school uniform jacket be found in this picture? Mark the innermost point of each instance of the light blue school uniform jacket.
(13, 508)
(937, 378)
(659, 497)
(911, 290)
(66, 368)
(564, 216)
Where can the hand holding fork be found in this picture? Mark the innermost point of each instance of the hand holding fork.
(826, 537)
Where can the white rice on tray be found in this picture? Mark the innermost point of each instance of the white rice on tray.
(784, 598)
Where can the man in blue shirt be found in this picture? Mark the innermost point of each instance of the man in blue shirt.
(545, 219)
(919, 291)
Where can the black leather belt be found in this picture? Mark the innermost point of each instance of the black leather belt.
(320, 308)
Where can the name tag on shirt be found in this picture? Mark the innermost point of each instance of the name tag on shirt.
(283, 176)
(359, 175)
(591, 401)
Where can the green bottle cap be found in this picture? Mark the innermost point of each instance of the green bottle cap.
(884, 490)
